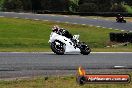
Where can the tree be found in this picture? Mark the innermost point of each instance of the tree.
(129, 2)
(27, 4)
(12, 5)
(88, 7)
(118, 8)
(117, 1)
(54, 5)
(1, 4)
(36, 4)
(73, 5)
(104, 5)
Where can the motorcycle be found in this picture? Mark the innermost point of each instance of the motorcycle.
(121, 20)
(61, 44)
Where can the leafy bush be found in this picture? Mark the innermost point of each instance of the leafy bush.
(88, 7)
(27, 4)
(1, 4)
(118, 8)
(128, 8)
(12, 5)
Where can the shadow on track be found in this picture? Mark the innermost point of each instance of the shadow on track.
(65, 54)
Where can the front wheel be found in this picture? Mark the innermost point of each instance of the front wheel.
(124, 21)
(58, 47)
(85, 50)
(81, 80)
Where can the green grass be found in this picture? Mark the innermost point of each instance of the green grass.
(55, 82)
(29, 35)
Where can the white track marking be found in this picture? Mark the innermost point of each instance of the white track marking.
(112, 52)
(83, 17)
(110, 28)
(16, 17)
(26, 18)
(2, 16)
(119, 66)
(106, 19)
(95, 18)
(91, 25)
(45, 20)
(52, 15)
(103, 27)
(91, 52)
(66, 16)
(83, 24)
(122, 30)
(74, 23)
(116, 29)
(36, 19)
(67, 22)
(98, 26)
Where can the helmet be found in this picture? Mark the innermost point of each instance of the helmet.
(55, 28)
(119, 14)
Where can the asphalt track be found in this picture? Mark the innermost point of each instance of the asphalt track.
(36, 64)
(71, 19)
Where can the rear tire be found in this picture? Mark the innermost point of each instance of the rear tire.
(58, 49)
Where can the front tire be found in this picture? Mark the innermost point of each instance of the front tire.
(124, 21)
(58, 47)
(81, 80)
(85, 50)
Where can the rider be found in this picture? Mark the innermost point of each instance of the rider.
(119, 16)
(55, 28)
(62, 31)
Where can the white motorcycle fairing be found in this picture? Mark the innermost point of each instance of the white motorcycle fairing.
(69, 45)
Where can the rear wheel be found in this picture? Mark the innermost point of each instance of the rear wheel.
(58, 47)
